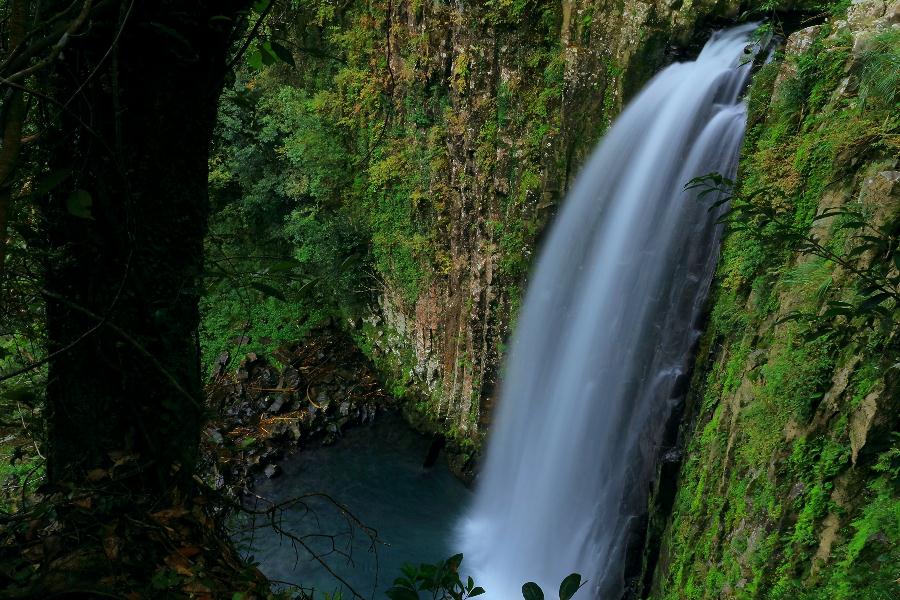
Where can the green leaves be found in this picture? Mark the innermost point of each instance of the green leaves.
(281, 53)
(441, 581)
(570, 585)
(860, 246)
(79, 204)
(532, 591)
(398, 592)
(268, 52)
(267, 290)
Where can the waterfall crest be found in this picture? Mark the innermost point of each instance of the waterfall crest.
(605, 333)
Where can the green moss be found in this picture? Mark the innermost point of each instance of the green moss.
(768, 462)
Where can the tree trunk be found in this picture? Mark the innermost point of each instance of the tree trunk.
(126, 236)
(13, 119)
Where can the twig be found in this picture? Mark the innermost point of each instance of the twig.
(250, 37)
(57, 48)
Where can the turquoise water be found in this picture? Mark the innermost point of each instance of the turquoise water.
(376, 472)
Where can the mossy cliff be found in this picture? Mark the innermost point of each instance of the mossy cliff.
(788, 487)
(460, 127)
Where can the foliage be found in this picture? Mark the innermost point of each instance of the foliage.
(381, 164)
(784, 480)
(879, 79)
(869, 252)
(282, 255)
(442, 581)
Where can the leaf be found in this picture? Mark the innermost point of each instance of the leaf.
(51, 180)
(286, 265)
(96, 475)
(859, 250)
(112, 547)
(569, 586)
(826, 214)
(79, 204)
(267, 55)
(719, 203)
(267, 290)
(84, 502)
(23, 394)
(189, 551)
(872, 301)
(409, 570)
(836, 311)
(254, 60)
(854, 224)
(282, 53)
(476, 591)
(179, 564)
(260, 6)
(398, 593)
(167, 514)
(532, 591)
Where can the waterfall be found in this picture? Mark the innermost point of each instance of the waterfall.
(605, 334)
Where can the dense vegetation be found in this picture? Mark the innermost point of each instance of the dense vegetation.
(342, 162)
(368, 166)
(789, 489)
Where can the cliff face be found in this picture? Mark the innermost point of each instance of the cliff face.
(493, 108)
(788, 487)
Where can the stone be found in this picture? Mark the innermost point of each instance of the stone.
(276, 404)
(215, 436)
(861, 422)
(862, 14)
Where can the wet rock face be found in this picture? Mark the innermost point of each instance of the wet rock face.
(529, 95)
(783, 490)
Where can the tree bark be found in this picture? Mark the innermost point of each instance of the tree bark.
(13, 120)
(123, 282)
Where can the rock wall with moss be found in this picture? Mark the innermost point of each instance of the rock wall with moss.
(789, 482)
(445, 135)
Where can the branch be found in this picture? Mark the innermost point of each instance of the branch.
(250, 37)
(72, 28)
(22, 51)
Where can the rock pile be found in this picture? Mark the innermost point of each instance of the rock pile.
(263, 410)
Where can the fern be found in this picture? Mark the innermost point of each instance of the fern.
(879, 79)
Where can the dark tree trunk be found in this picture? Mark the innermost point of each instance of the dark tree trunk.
(141, 86)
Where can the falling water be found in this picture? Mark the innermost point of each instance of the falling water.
(605, 334)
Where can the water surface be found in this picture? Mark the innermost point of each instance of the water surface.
(376, 472)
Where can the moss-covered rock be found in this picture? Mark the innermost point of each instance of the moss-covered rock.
(789, 485)
(465, 124)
